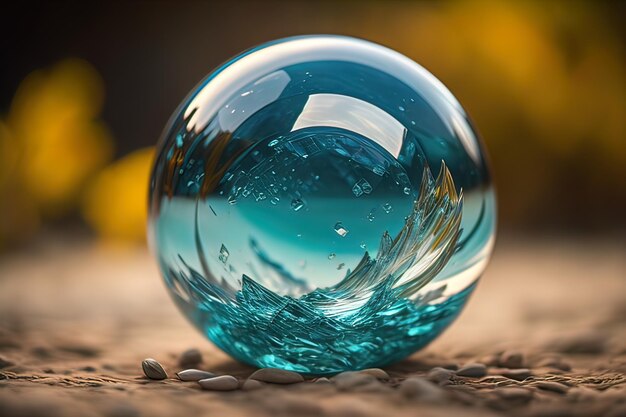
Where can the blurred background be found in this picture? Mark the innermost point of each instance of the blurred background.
(85, 90)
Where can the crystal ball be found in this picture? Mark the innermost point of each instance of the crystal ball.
(320, 204)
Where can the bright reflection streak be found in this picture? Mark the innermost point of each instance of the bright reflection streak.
(257, 95)
(250, 66)
(463, 131)
(334, 110)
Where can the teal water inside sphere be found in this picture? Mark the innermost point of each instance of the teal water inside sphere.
(321, 204)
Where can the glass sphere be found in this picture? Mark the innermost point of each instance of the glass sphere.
(321, 204)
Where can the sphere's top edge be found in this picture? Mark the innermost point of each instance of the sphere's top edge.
(269, 57)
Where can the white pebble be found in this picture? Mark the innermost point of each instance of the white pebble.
(220, 383)
(194, 375)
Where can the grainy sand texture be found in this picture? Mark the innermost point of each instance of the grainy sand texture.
(543, 335)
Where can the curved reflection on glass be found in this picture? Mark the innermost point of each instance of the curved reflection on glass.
(320, 204)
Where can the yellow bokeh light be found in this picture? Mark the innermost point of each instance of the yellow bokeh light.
(59, 140)
(115, 202)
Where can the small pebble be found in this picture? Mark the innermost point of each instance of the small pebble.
(252, 384)
(190, 358)
(41, 352)
(516, 374)
(556, 363)
(440, 376)
(491, 360)
(422, 389)
(376, 373)
(511, 359)
(322, 380)
(350, 380)
(194, 375)
(220, 383)
(552, 386)
(5, 363)
(153, 369)
(473, 370)
(450, 366)
(277, 376)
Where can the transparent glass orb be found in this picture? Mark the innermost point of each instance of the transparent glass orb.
(321, 204)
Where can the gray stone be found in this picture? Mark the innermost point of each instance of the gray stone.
(376, 373)
(491, 360)
(516, 374)
(194, 375)
(555, 362)
(153, 369)
(552, 386)
(5, 363)
(277, 376)
(350, 380)
(422, 389)
(220, 383)
(252, 384)
(440, 376)
(451, 366)
(512, 359)
(473, 370)
(190, 358)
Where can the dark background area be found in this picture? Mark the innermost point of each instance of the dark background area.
(561, 169)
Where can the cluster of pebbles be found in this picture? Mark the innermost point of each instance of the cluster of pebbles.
(499, 381)
(261, 377)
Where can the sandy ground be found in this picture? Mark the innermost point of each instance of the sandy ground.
(76, 319)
